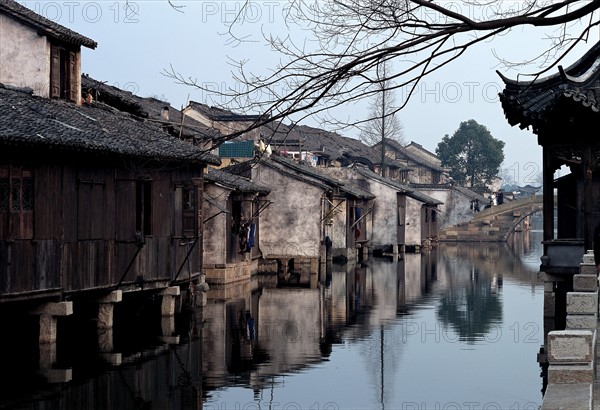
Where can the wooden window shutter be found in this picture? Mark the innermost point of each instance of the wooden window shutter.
(72, 76)
(55, 72)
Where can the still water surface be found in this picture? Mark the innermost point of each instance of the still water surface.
(457, 327)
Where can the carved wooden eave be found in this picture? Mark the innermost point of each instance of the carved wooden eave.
(558, 107)
(563, 110)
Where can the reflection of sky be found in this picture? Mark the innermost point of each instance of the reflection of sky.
(425, 365)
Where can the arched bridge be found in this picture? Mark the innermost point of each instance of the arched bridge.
(493, 224)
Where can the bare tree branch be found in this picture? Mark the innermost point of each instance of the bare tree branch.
(337, 64)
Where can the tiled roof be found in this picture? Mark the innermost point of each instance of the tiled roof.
(346, 187)
(44, 25)
(533, 103)
(29, 121)
(470, 193)
(396, 146)
(220, 114)
(301, 172)
(326, 143)
(367, 173)
(148, 108)
(235, 182)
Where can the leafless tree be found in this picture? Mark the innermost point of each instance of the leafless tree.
(344, 41)
(382, 126)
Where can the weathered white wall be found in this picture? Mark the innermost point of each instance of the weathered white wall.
(215, 230)
(338, 229)
(24, 57)
(384, 228)
(412, 233)
(385, 214)
(291, 225)
(456, 208)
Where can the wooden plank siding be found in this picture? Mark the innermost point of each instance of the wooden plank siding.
(85, 233)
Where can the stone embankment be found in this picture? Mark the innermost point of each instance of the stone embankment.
(572, 354)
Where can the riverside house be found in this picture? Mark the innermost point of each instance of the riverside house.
(90, 197)
(232, 207)
(312, 214)
(403, 219)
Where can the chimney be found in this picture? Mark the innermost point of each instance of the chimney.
(165, 113)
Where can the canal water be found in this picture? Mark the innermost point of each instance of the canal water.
(455, 327)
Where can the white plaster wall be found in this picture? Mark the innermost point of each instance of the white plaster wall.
(456, 208)
(215, 230)
(24, 57)
(385, 215)
(384, 227)
(412, 233)
(338, 229)
(291, 224)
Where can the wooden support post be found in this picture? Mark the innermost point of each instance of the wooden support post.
(548, 193)
(588, 230)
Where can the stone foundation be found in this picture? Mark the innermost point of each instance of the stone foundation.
(571, 353)
(229, 273)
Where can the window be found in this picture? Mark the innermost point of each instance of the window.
(16, 193)
(143, 207)
(16, 203)
(188, 221)
(63, 73)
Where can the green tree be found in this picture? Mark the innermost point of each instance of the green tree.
(472, 154)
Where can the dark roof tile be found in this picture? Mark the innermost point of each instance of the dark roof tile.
(367, 173)
(32, 121)
(235, 182)
(149, 108)
(532, 103)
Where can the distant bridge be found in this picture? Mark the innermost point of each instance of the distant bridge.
(493, 224)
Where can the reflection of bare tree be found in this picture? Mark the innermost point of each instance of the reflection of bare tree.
(471, 310)
(381, 351)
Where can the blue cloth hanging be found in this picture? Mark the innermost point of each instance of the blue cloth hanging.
(251, 237)
(357, 215)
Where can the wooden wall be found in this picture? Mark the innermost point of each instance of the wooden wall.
(84, 229)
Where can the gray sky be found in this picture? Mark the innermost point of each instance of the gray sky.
(135, 45)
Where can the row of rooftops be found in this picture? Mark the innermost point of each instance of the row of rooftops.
(236, 177)
(329, 145)
(98, 128)
(326, 143)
